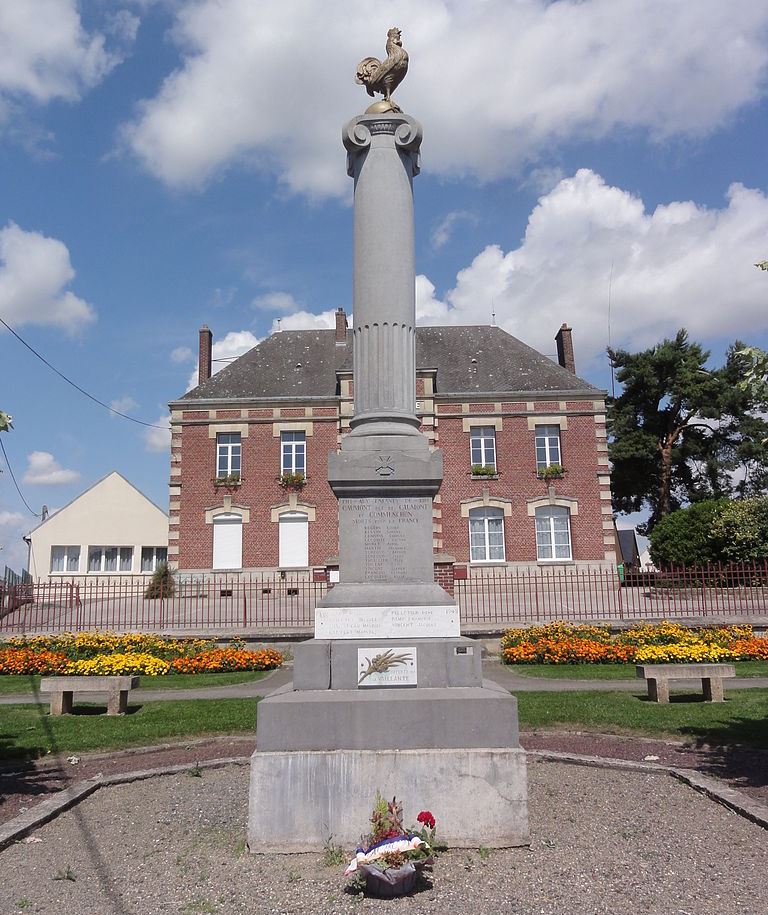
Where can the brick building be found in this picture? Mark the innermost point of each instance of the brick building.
(248, 487)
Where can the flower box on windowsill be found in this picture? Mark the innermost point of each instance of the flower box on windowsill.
(484, 472)
(292, 481)
(230, 480)
(552, 472)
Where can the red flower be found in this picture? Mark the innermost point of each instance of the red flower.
(426, 818)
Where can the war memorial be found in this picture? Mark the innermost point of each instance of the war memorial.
(387, 695)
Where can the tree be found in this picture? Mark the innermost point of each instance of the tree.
(684, 537)
(679, 430)
(6, 423)
(740, 531)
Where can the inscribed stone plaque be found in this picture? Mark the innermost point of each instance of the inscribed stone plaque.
(382, 666)
(429, 622)
(386, 539)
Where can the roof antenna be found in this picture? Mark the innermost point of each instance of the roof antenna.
(493, 313)
(279, 325)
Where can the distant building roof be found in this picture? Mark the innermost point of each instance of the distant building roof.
(467, 359)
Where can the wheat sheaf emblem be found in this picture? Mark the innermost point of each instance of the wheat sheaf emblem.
(383, 662)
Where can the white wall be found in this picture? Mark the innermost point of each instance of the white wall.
(111, 513)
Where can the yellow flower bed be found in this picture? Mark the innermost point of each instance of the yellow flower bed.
(645, 643)
(114, 664)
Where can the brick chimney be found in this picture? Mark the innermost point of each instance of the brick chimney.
(565, 349)
(341, 326)
(204, 363)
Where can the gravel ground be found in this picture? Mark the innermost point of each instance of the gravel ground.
(602, 842)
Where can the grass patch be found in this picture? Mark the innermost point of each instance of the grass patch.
(741, 719)
(614, 671)
(11, 684)
(28, 731)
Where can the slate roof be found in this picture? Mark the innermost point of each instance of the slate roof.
(468, 359)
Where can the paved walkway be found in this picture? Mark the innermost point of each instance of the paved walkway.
(505, 676)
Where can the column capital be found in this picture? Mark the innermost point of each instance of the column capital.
(358, 134)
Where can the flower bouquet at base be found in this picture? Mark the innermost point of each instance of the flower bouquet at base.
(390, 858)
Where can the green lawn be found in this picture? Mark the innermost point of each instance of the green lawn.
(12, 683)
(741, 719)
(615, 671)
(28, 731)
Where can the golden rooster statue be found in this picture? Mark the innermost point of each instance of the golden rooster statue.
(384, 76)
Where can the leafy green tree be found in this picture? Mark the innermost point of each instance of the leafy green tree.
(679, 430)
(740, 531)
(684, 537)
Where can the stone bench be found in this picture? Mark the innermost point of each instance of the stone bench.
(659, 675)
(62, 689)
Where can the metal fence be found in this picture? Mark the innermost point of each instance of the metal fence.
(493, 597)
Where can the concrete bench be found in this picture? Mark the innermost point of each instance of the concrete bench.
(63, 688)
(659, 675)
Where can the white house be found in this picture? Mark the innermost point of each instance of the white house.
(111, 529)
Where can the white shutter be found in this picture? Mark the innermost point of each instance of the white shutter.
(294, 540)
(227, 542)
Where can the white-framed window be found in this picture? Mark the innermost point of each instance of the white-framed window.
(482, 446)
(228, 541)
(152, 557)
(294, 540)
(553, 533)
(547, 446)
(293, 452)
(110, 558)
(486, 535)
(228, 454)
(65, 559)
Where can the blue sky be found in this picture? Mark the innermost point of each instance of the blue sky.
(172, 163)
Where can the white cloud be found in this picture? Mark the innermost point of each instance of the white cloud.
(181, 354)
(276, 301)
(123, 404)
(44, 470)
(682, 265)
(498, 84)
(306, 320)
(13, 550)
(443, 231)
(34, 271)
(158, 439)
(224, 351)
(45, 53)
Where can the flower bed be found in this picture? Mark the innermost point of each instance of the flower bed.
(660, 643)
(99, 653)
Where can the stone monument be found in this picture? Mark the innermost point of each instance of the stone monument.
(388, 695)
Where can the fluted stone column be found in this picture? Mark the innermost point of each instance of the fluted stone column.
(383, 158)
(385, 475)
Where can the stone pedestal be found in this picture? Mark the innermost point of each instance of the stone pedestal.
(299, 799)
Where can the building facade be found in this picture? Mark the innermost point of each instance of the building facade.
(112, 530)
(523, 439)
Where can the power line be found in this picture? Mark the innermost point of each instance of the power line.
(13, 477)
(77, 387)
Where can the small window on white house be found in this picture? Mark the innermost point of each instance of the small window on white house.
(152, 557)
(110, 558)
(228, 454)
(65, 559)
(293, 447)
(547, 446)
(486, 535)
(553, 533)
(482, 443)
